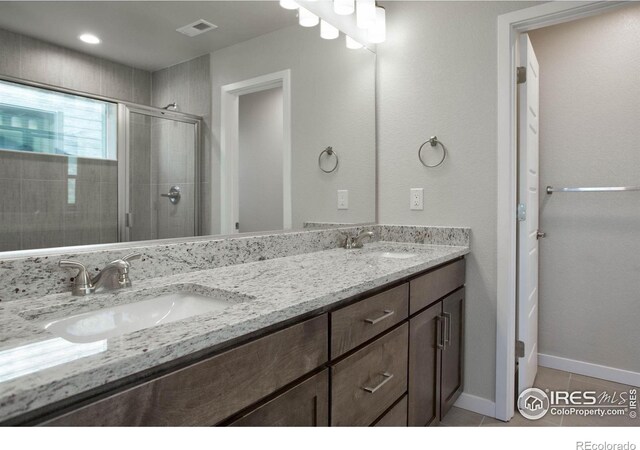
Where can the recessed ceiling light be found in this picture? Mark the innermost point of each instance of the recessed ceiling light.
(89, 38)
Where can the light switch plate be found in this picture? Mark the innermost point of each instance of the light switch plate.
(416, 199)
(343, 199)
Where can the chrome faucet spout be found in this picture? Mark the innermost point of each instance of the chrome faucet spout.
(105, 276)
(361, 236)
(356, 242)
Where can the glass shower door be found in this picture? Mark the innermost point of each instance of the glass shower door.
(163, 164)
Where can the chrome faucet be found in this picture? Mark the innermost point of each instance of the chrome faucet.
(351, 242)
(114, 275)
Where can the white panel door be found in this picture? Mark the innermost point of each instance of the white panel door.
(528, 101)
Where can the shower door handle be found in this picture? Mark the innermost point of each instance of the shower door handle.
(173, 195)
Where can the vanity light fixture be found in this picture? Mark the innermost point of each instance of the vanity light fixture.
(352, 43)
(344, 7)
(89, 38)
(328, 31)
(369, 16)
(365, 13)
(306, 18)
(377, 34)
(289, 4)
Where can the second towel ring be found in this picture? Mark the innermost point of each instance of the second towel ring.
(329, 151)
(433, 141)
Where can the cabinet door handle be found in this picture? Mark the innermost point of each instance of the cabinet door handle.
(447, 323)
(387, 313)
(439, 337)
(387, 376)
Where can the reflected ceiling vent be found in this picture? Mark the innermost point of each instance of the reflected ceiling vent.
(196, 28)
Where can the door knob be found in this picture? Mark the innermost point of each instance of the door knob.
(541, 235)
(173, 195)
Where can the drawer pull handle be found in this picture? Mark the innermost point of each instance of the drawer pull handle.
(387, 313)
(387, 376)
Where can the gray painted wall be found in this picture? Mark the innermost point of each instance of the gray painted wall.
(333, 104)
(34, 212)
(260, 161)
(437, 76)
(589, 134)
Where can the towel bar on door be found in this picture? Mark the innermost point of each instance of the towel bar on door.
(551, 189)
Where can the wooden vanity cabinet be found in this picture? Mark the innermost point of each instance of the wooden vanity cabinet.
(392, 359)
(207, 392)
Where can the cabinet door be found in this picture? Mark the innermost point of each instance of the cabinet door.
(453, 352)
(305, 405)
(425, 337)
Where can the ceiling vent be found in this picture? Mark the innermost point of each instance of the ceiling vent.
(196, 28)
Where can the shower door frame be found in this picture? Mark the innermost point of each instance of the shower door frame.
(125, 109)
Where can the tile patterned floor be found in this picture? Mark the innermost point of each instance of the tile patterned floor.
(549, 379)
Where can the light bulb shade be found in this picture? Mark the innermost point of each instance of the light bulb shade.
(328, 31)
(378, 32)
(306, 18)
(344, 7)
(365, 13)
(352, 43)
(289, 4)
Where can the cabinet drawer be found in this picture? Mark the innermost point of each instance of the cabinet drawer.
(357, 323)
(396, 416)
(428, 288)
(209, 391)
(305, 405)
(366, 383)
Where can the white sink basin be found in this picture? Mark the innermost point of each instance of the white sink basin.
(118, 320)
(395, 255)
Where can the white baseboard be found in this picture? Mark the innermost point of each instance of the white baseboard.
(476, 404)
(589, 369)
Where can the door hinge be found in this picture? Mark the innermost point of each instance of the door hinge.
(128, 220)
(522, 212)
(521, 75)
(519, 349)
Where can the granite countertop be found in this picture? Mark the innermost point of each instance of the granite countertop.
(37, 368)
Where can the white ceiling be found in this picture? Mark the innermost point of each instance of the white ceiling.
(142, 33)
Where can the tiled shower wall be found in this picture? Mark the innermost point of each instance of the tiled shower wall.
(189, 85)
(35, 209)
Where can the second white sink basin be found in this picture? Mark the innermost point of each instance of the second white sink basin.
(118, 320)
(394, 255)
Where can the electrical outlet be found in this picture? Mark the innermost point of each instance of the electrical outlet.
(416, 199)
(343, 199)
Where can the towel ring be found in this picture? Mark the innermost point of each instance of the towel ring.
(433, 141)
(329, 151)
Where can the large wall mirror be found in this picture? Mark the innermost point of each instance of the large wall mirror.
(131, 121)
